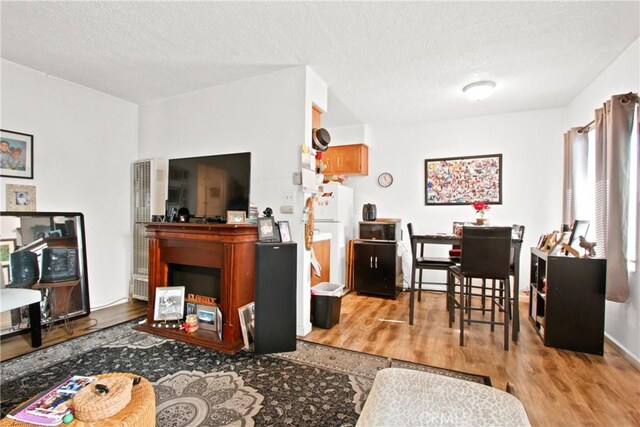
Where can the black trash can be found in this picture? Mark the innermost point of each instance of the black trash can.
(326, 299)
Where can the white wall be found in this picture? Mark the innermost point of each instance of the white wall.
(84, 143)
(268, 115)
(346, 135)
(622, 320)
(531, 146)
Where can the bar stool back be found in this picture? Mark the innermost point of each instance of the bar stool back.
(486, 254)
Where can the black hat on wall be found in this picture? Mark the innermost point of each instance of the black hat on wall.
(321, 139)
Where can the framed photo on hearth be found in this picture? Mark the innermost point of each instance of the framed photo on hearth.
(247, 323)
(169, 303)
(463, 180)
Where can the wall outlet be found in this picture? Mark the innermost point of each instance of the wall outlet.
(289, 198)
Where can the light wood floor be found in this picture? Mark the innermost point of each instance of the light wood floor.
(557, 387)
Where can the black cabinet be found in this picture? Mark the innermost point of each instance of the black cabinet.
(567, 301)
(377, 268)
(275, 294)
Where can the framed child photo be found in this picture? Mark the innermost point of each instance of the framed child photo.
(20, 198)
(16, 154)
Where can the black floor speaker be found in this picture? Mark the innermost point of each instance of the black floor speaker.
(275, 297)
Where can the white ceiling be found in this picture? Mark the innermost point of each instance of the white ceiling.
(384, 62)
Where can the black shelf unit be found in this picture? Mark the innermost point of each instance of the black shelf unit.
(567, 301)
(275, 297)
(377, 268)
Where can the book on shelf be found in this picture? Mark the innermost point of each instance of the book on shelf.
(49, 407)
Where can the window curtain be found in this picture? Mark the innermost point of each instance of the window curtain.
(613, 128)
(576, 155)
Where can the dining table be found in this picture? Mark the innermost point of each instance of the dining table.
(454, 239)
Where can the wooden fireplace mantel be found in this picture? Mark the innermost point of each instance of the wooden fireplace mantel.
(227, 247)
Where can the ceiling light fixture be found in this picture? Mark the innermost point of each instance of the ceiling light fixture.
(479, 90)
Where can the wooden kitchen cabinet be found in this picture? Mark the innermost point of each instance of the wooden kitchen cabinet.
(346, 160)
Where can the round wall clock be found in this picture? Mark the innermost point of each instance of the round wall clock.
(385, 179)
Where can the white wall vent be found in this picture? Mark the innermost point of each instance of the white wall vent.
(149, 193)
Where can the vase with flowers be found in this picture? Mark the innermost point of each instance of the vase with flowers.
(481, 208)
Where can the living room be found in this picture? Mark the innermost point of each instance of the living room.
(87, 138)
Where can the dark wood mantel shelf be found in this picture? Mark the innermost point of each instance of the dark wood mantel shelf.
(227, 247)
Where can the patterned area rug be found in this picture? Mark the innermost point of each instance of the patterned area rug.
(315, 385)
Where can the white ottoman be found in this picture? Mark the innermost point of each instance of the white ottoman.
(404, 397)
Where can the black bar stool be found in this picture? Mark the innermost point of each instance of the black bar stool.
(486, 254)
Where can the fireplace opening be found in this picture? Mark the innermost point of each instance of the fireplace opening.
(202, 281)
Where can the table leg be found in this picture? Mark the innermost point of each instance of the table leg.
(412, 291)
(35, 324)
(516, 293)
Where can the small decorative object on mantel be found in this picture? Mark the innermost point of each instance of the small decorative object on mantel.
(481, 208)
(589, 251)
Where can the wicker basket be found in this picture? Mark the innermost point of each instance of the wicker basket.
(91, 406)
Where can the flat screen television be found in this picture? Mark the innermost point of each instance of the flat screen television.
(209, 186)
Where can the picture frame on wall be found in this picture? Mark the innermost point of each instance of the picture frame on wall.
(16, 154)
(169, 303)
(463, 180)
(20, 198)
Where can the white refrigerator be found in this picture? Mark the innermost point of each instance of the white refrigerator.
(333, 213)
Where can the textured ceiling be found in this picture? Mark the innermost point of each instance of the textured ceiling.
(384, 62)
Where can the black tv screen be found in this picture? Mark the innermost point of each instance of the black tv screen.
(209, 186)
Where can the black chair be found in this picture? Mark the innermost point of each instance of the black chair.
(486, 254)
(518, 231)
(420, 263)
(454, 252)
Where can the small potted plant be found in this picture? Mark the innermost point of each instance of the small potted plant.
(481, 208)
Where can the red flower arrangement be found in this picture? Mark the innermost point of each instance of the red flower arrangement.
(481, 207)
